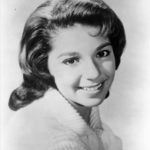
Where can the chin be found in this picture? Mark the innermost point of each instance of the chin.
(93, 103)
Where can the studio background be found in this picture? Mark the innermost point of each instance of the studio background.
(126, 111)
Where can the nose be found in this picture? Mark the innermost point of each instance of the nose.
(91, 70)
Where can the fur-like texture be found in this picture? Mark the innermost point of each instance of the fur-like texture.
(51, 123)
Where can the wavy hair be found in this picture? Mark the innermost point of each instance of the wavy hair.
(38, 32)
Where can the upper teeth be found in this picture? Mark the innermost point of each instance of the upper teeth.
(93, 88)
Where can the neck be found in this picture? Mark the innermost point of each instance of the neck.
(83, 111)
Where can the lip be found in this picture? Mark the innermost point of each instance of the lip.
(93, 88)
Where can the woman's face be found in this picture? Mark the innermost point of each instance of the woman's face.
(82, 64)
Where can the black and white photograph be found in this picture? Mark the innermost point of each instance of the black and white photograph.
(74, 75)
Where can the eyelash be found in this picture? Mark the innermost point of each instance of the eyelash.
(103, 53)
(74, 60)
(71, 61)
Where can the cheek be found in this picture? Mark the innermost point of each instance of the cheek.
(109, 68)
(65, 78)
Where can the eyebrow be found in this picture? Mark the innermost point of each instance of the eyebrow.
(103, 45)
(68, 54)
(76, 53)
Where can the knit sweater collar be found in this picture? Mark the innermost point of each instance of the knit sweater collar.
(67, 115)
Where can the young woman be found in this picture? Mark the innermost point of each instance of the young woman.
(70, 50)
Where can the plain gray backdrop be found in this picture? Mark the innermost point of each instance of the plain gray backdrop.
(126, 111)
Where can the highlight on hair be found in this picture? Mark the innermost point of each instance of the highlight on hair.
(38, 32)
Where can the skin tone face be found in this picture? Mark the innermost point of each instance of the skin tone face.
(82, 64)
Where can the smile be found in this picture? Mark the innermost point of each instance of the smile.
(92, 88)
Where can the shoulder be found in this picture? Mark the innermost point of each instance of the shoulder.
(110, 140)
(69, 145)
(36, 112)
(31, 127)
(36, 127)
(32, 134)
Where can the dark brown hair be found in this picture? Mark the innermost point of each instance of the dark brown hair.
(36, 41)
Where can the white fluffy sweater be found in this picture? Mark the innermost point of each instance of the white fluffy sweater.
(51, 123)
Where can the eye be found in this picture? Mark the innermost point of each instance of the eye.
(71, 61)
(103, 53)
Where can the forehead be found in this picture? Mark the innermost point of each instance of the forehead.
(77, 29)
(77, 38)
